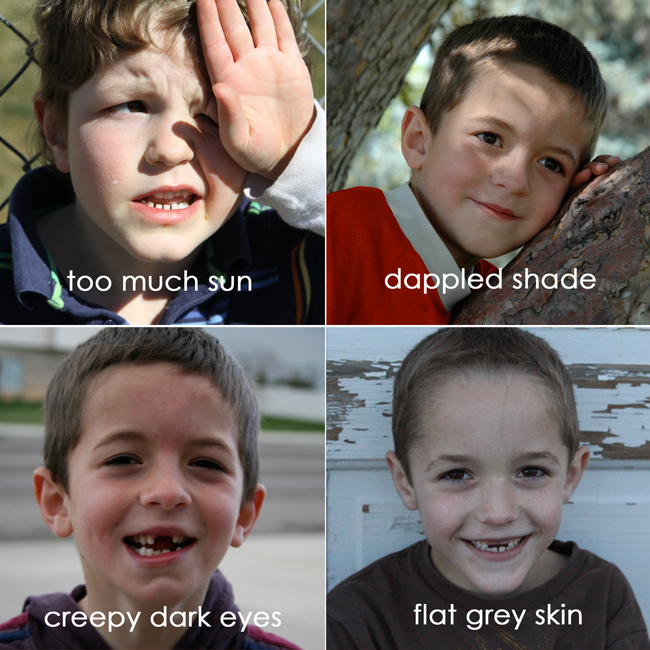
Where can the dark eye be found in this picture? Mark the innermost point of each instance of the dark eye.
(456, 476)
(553, 165)
(122, 459)
(135, 106)
(533, 472)
(207, 463)
(489, 138)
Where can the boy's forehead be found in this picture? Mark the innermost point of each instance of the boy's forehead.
(166, 53)
(497, 410)
(162, 377)
(152, 402)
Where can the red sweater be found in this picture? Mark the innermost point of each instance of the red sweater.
(364, 244)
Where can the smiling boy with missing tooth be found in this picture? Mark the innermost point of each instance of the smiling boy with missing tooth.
(162, 119)
(151, 461)
(506, 126)
(487, 450)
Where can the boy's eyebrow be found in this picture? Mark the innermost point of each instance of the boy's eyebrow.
(539, 455)
(142, 86)
(134, 436)
(454, 459)
(500, 124)
(120, 436)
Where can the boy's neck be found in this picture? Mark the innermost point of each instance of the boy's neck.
(81, 247)
(463, 259)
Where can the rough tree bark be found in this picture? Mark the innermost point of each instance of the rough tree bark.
(370, 47)
(603, 230)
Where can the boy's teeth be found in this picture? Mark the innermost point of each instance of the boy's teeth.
(146, 541)
(166, 206)
(494, 548)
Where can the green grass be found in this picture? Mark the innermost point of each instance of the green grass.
(285, 424)
(21, 412)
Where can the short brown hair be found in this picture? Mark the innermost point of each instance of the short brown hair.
(515, 39)
(455, 353)
(191, 349)
(77, 39)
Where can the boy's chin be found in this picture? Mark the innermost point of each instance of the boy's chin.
(165, 250)
(498, 586)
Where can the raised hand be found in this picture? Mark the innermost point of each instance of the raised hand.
(263, 98)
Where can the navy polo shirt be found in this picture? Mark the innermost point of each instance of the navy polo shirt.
(286, 267)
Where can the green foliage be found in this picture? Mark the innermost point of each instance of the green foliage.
(617, 32)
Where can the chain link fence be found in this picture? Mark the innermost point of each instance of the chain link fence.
(16, 159)
(29, 60)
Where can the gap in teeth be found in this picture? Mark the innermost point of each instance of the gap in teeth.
(494, 548)
(146, 541)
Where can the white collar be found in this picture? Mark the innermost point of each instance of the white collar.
(425, 240)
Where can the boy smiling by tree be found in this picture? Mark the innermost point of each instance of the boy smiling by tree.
(506, 126)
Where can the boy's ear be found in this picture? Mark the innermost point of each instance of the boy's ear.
(248, 515)
(53, 502)
(574, 474)
(55, 138)
(415, 131)
(402, 485)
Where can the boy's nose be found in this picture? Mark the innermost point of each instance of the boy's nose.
(511, 174)
(167, 147)
(497, 504)
(165, 488)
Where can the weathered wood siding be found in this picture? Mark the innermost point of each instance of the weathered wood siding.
(610, 511)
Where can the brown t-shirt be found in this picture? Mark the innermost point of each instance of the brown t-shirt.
(376, 609)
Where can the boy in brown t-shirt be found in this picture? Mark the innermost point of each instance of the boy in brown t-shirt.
(487, 449)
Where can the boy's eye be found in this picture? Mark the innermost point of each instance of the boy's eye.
(489, 138)
(456, 475)
(207, 463)
(122, 459)
(553, 165)
(533, 472)
(135, 106)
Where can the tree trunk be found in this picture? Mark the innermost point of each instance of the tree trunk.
(370, 48)
(603, 230)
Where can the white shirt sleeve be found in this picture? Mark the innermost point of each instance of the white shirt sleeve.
(298, 195)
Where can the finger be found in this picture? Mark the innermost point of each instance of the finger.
(261, 22)
(216, 50)
(613, 160)
(580, 178)
(285, 34)
(234, 28)
(598, 168)
(234, 130)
